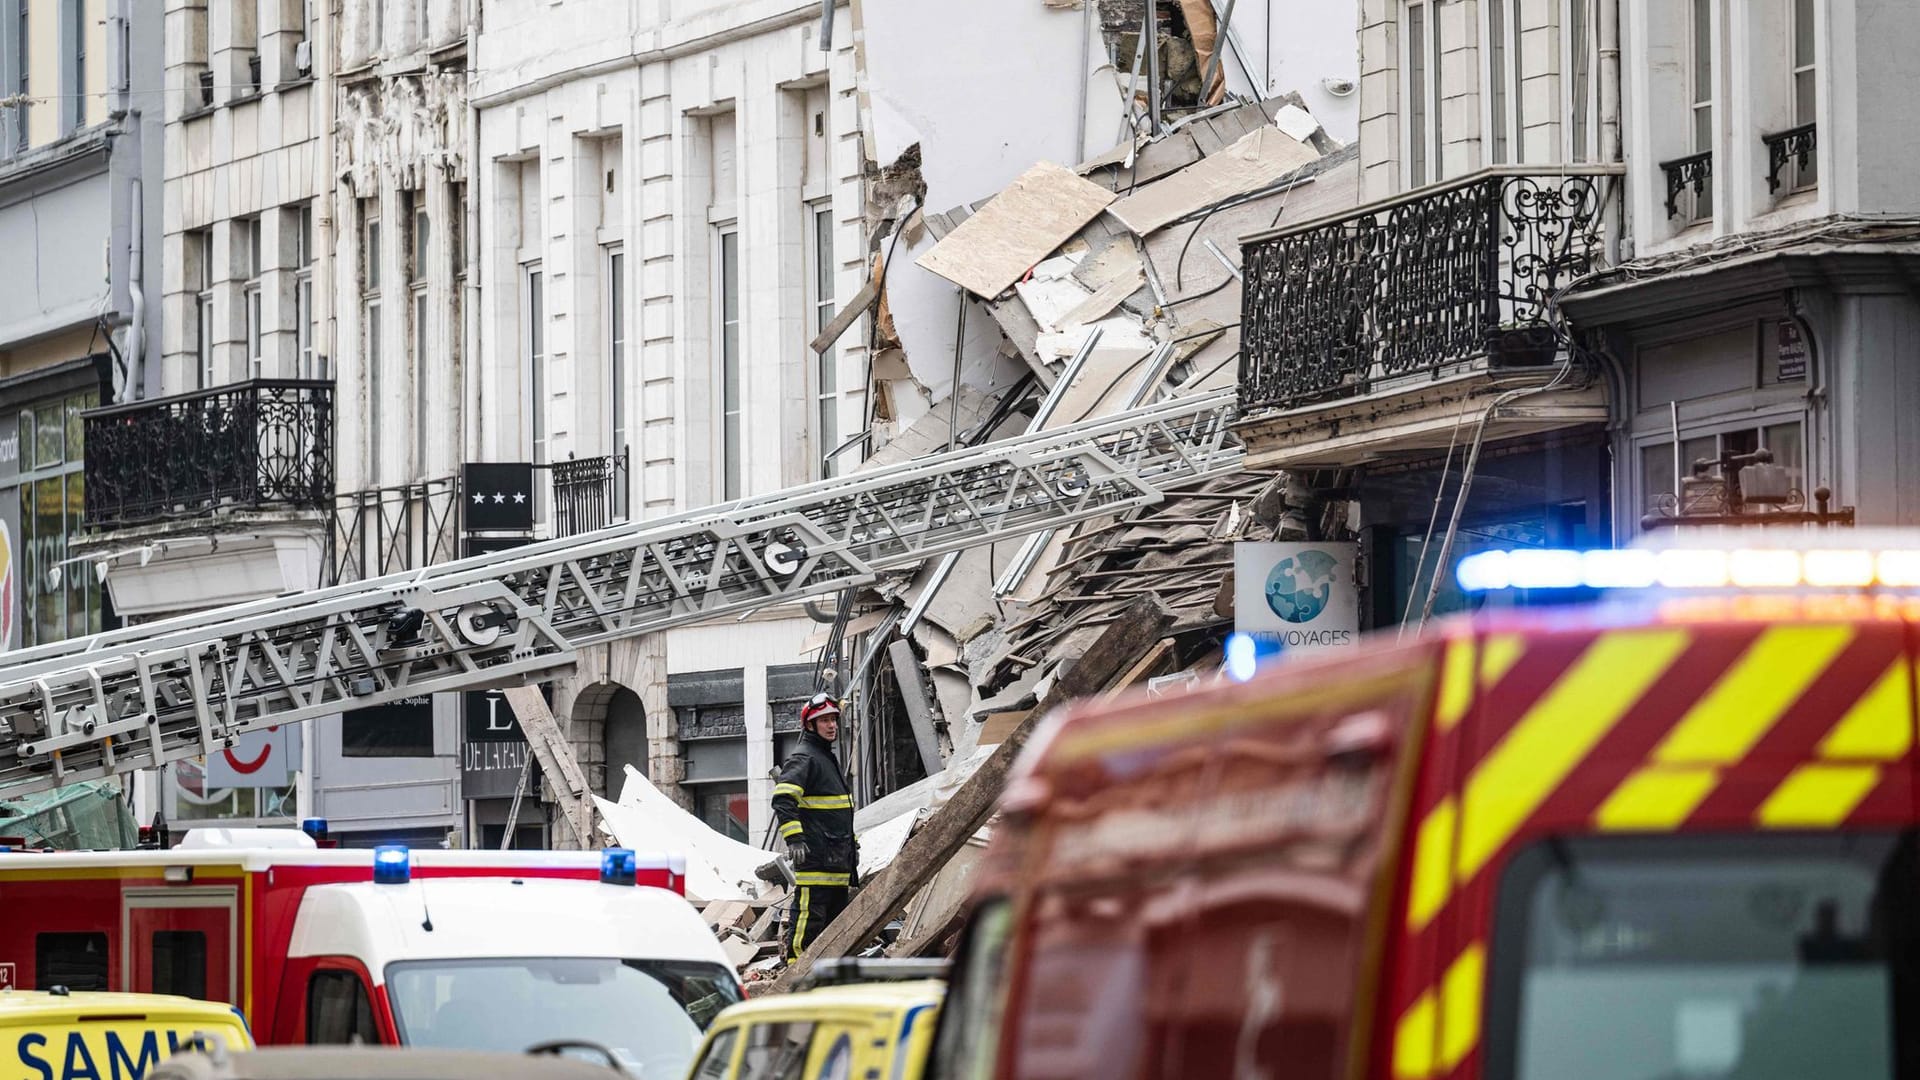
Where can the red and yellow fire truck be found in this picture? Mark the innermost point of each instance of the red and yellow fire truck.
(459, 949)
(1670, 839)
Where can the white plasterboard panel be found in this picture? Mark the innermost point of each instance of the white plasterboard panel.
(1105, 299)
(1049, 300)
(1021, 226)
(1297, 122)
(1257, 160)
(1120, 337)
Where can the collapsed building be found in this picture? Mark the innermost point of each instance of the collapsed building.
(1101, 288)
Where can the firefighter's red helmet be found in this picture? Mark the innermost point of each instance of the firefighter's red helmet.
(821, 705)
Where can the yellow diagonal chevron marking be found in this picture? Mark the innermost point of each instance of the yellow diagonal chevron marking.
(1498, 656)
(1460, 992)
(1654, 799)
(1456, 684)
(1432, 865)
(1817, 796)
(1413, 1040)
(1770, 676)
(1880, 725)
(1555, 734)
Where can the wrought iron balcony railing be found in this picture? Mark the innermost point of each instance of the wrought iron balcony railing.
(588, 493)
(388, 530)
(1417, 285)
(1693, 171)
(1796, 144)
(266, 444)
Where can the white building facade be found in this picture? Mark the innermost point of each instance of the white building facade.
(669, 208)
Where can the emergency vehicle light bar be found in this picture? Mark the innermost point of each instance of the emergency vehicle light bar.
(1689, 568)
(392, 865)
(618, 866)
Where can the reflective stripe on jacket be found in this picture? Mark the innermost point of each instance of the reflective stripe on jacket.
(812, 801)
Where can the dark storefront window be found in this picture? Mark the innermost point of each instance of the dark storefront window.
(52, 494)
(1522, 496)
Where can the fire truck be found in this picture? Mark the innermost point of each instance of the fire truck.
(467, 949)
(1672, 836)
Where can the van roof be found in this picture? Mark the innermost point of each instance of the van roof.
(19, 1007)
(376, 1063)
(500, 917)
(879, 995)
(266, 858)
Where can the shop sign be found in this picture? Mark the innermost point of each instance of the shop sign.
(1296, 595)
(1790, 355)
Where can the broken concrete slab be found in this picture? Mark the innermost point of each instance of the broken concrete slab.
(1018, 228)
(1260, 159)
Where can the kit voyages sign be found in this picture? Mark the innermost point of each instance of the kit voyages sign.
(1296, 595)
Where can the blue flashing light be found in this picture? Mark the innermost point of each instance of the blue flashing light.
(618, 866)
(314, 827)
(391, 865)
(1243, 656)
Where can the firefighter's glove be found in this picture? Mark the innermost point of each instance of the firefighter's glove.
(797, 851)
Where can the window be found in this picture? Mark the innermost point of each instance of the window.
(1805, 91)
(303, 258)
(180, 963)
(339, 1012)
(249, 240)
(533, 293)
(617, 366)
(377, 28)
(1761, 956)
(23, 85)
(776, 1051)
(400, 729)
(75, 961)
(827, 389)
(1701, 34)
(714, 1064)
(650, 1013)
(371, 328)
(731, 434)
(52, 499)
(419, 244)
(1423, 137)
(1783, 439)
(1582, 87)
(1503, 68)
(967, 1040)
(76, 90)
(200, 252)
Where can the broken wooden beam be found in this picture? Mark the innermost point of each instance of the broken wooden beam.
(1118, 647)
(855, 308)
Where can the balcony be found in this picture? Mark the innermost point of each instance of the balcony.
(389, 530)
(1365, 333)
(210, 498)
(264, 445)
(587, 493)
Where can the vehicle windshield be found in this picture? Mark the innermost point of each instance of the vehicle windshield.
(649, 1013)
(967, 1040)
(1706, 958)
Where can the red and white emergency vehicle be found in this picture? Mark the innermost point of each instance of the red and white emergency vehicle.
(1673, 837)
(452, 949)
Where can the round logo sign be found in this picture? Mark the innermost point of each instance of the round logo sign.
(1299, 586)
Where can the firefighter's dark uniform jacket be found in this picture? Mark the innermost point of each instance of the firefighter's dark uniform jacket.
(812, 801)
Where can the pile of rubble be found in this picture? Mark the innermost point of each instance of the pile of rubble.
(1115, 284)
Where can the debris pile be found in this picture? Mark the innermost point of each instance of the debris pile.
(1115, 284)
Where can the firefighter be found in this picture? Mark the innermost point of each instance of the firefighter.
(815, 810)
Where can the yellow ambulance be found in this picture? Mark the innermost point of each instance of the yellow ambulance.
(83, 1035)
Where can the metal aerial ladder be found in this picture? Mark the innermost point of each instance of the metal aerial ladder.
(145, 695)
